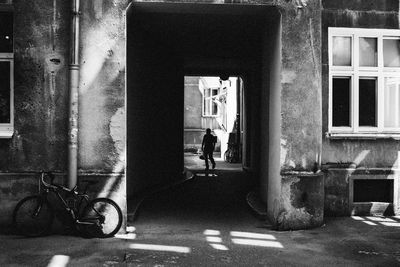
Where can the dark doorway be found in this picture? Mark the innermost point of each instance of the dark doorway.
(166, 41)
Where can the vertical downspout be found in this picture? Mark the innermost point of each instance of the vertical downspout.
(73, 97)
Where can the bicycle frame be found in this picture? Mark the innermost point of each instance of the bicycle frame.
(82, 199)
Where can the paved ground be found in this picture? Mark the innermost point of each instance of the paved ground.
(193, 162)
(205, 222)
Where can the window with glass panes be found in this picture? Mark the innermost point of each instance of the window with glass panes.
(364, 80)
(210, 106)
(6, 74)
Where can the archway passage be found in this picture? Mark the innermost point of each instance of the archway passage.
(165, 42)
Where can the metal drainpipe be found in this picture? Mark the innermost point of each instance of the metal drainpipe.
(73, 97)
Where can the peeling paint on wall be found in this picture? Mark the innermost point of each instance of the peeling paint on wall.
(288, 76)
(117, 130)
(302, 202)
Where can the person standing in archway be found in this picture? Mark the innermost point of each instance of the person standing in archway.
(208, 146)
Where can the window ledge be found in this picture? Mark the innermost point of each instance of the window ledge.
(372, 136)
(6, 133)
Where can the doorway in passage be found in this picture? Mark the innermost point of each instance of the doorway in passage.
(213, 102)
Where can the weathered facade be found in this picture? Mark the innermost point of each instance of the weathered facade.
(129, 48)
(372, 158)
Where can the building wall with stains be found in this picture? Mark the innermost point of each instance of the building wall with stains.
(41, 86)
(298, 204)
(301, 83)
(102, 86)
(41, 49)
(41, 54)
(41, 91)
(380, 155)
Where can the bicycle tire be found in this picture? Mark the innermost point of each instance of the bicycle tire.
(33, 216)
(106, 216)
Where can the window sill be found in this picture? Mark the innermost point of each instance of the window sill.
(6, 134)
(371, 136)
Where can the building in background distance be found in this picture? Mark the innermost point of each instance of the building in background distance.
(209, 103)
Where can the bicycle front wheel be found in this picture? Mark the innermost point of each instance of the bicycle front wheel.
(33, 216)
(103, 218)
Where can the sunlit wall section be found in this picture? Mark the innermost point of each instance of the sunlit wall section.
(102, 98)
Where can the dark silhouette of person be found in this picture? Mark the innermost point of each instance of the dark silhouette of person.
(208, 146)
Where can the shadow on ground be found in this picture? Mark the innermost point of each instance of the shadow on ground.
(217, 198)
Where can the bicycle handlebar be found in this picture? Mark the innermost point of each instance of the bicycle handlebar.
(51, 185)
(46, 184)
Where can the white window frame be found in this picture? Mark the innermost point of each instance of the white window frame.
(355, 72)
(7, 129)
(208, 113)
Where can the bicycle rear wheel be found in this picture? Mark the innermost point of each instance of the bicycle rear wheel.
(104, 216)
(33, 216)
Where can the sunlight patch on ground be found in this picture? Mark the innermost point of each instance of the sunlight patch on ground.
(130, 229)
(379, 219)
(391, 224)
(376, 220)
(128, 236)
(219, 247)
(214, 239)
(153, 247)
(256, 242)
(241, 238)
(58, 261)
(369, 223)
(211, 232)
(252, 235)
(255, 239)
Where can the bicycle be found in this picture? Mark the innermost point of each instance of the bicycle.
(33, 216)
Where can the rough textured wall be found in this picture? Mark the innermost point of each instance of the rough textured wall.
(337, 192)
(193, 104)
(302, 199)
(41, 58)
(41, 34)
(356, 14)
(339, 184)
(102, 86)
(379, 153)
(301, 86)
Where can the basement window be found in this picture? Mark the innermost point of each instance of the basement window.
(373, 190)
(6, 75)
(364, 83)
